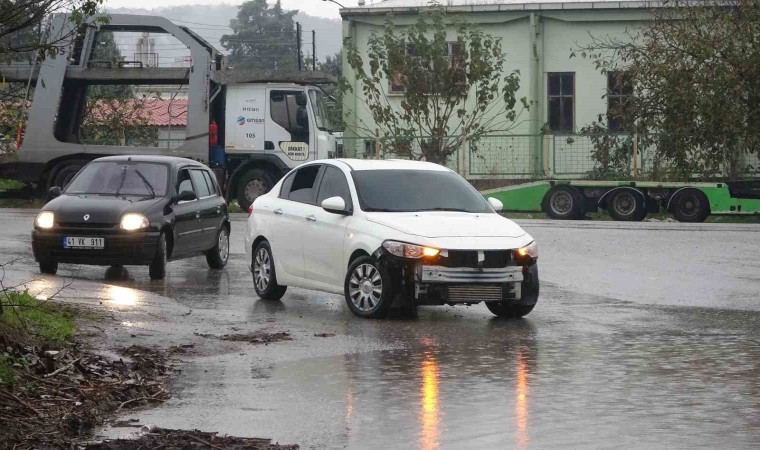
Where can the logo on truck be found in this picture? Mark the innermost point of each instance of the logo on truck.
(241, 120)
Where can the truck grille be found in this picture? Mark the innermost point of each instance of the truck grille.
(474, 292)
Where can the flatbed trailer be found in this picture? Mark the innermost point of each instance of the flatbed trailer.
(631, 200)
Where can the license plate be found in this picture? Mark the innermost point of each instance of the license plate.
(83, 242)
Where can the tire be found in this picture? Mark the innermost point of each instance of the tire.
(157, 269)
(49, 267)
(251, 184)
(66, 172)
(264, 276)
(690, 205)
(530, 289)
(368, 288)
(626, 205)
(563, 203)
(218, 256)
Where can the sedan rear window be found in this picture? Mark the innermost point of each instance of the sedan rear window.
(121, 178)
(416, 190)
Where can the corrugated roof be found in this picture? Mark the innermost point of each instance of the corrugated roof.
(156, 110)
(497, 5)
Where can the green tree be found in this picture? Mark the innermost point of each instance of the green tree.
(447, 91)
(22, 24)
(695, 69)
(333, 65)
(263, 38)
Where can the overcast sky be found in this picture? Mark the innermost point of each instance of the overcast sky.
(317, 8)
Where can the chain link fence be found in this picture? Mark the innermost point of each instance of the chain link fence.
(532, 156)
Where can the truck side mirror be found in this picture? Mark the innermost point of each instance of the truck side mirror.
(55, 191)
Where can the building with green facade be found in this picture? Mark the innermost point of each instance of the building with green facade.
(566, 93)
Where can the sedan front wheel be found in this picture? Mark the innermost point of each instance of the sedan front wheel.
(368, 288)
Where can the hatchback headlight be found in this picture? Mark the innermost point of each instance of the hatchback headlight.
(530, 250)
(45, 219)
(134, 221)
(404, 250)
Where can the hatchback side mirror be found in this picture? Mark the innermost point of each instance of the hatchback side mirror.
(496, 204)
(55, 191)
(186, 196)
(335, 205)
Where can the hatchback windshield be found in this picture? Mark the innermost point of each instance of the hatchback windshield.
(121, 178)
(417, 190)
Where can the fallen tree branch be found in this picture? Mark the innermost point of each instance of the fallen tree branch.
(62, 369)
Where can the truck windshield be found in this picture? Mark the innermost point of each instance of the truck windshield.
(320, 110)
(120, 178)
(416, 190)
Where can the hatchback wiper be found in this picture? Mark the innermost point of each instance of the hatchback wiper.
(147, 183)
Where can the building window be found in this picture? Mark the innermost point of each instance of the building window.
(561, 101)
(619, 90)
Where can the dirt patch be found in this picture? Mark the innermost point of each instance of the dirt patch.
(59, 396)
(258, 337)
(324, 334)
(187, 440)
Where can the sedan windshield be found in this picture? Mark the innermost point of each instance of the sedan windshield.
(417, 190)
(120, 178)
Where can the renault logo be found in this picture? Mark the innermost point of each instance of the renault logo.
(86, 217)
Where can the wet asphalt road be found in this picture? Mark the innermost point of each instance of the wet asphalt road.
(646, 335)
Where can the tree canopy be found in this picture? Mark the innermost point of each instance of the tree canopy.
(695, 74)
(427, 93)
(263, 38)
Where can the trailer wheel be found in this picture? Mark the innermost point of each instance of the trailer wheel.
(690, 205)
(252, 184)
(563, 202)
(65, 172)
(626, 205)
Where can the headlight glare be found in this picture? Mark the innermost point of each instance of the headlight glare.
(45, 219)
(404, 250)
(134, 221)
(530, 250)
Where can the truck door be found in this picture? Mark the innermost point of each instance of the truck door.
(288, 128)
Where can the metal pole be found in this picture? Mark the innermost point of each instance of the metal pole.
(298, 45)
(313, 50)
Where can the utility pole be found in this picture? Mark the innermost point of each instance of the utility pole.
(298, 46)
(313, 50)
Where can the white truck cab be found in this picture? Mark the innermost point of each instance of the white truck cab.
(283, 124)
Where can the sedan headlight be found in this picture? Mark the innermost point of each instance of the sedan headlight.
(45, 219)
(530, 250)
(134, 221)
(404, 250)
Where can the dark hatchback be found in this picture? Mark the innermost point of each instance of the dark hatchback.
(134, 210)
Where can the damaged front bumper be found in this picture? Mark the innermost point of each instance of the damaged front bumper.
(449, 280)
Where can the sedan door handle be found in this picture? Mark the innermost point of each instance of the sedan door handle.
(278, 211)
(311, 218)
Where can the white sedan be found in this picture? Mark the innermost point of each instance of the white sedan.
(389, 233)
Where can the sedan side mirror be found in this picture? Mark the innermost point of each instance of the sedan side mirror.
(335, 205)
(496, 204)
(55, 191)
(186, 196)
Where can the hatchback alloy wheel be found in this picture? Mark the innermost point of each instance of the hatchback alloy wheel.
(224, 245)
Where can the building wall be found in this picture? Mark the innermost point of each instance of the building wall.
(554, 35)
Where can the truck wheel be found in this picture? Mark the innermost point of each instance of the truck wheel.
(66, 172)
(626, 205)
(563, 202)
(252, 184)
(690, 205)
(368, 288)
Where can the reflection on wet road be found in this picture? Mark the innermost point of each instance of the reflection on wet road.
(583, 370)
